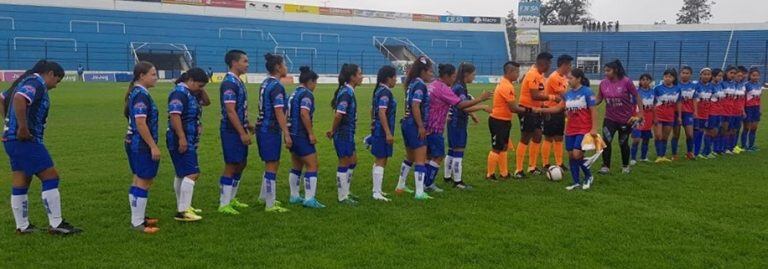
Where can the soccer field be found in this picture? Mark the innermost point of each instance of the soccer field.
(687, 214)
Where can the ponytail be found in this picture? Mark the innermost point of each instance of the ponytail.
(420, 65)
(464, 70)
(42, 67)
(578, 73)
(141, 68)
(345, 76)
(196, 74)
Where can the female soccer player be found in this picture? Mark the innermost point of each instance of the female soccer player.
(26, 107)
(413, 124)
(234, 131)
(619, 94)
(739, 103)
(643, 130)
(272, 129)
(703, 103)
(383, 109)
(141, 143)
(301, 110)
(582, 120)
(668, 107)
(500, 121)
(687, 96)
(343, 130)
(442, 99)
(185, 111)
(729, 87)
(752, 110)
(716, 115)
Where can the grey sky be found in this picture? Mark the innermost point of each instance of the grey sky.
(626, 11)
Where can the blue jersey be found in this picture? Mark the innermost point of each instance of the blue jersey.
(271, 97)
(233, 91)
(301, 99)
(458, 117)
(33, 89)
(183, 103)
(648, 96)
(417, 92)
(140, 105)
(346, 104)
(383, 99)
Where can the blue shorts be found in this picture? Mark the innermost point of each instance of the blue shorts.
(435, 145)
(301, 146)
(573, 142)
(714, 122)
(642, 134)
(345, 147)
(28, 157)
(270, 145)
(687, 119)
(753, 114)
(234, 150)
(142, 164)
(667, 123)
(185, 163)
(411, 135)
(457, 137)
(379, 147)
(700, 124)
(734, 122)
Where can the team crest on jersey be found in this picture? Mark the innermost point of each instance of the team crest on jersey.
(28, 90)
(140, 105)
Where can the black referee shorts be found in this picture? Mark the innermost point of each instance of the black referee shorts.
(499, 133)
(554, 124)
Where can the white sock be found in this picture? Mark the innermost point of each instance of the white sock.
(52, 202)
(294, 181)
(176, 185)
(138, 201)
(186, 190)
(226, 191)
(20, 207)
(350, 172)
(263, 192)
(436, 169)
(310, 186)
(270, 180)
(378, 177)
(341, 182)
(419, 175)
(457, 169)
(405, 168)
(235, 186)
(447, 167)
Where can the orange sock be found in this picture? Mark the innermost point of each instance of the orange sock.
(519, 155)
(503, 164)
(558, 152)
(493, 160)
(546, 147)
(533, 155)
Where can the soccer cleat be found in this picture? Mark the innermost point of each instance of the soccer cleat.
(663, 160)
(187, 216)
(646, 160)
(380, 197)
(434, 188)
(276, 209)
(604, 170)
(701, 156)
(573, 187)
(729, 152)
(632, 162)
(236, 203)
(738, 150)
(562, 167)
(144, 228)
(711, 156)
(400, 191)
(196, 210)
(152, 222)
(519, 175)
(447, 179)
(690, 156)
(461, 186)
(229, 210)
(64, 228)
(674, 158)
(535, 172)
(625, 170)
(348, 202)
(587, 183)
(312, 203)
(353, 197)
(491, 178)
(423, 197)
(28, 230)
(296, 200)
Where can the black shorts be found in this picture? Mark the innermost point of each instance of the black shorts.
(529, 122)
(554, 124)
(499, 133)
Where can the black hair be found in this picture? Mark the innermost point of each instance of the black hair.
(716, 72)
(307, 75)
(272, 61)
(385, 72)
(646, 76)
(578, 73)
(754, 70)
(41, 67)
(672, 72)
(446, 70)
(196, 74)
(420, 65)
(544, 56)
(564, 59)
(139, 69)
(730, 68)
(617, 67)
(685, 67)
(233, 56)
(742, 69)
(345, 75)
(510, 64)
(706, 69)
(464, 70)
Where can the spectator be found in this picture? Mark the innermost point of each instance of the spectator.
(617, 26)
(80, 71)
(584, 27)
(610, 26)
(605, 27)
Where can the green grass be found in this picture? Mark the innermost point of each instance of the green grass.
(688, 214)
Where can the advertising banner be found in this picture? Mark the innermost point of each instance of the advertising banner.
(265, 6)
(302, 9)
(185, 2)
(529, 8)
(426, 18)
(226, 3)
(99, 77)
(10, 76)
(485, 20)
(528, 36)
(528, 22)
(332, 11)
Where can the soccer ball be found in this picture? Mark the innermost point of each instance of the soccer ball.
(554, 173)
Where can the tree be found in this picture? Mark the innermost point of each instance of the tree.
(565, 12)
(695, 11)
(511, 25)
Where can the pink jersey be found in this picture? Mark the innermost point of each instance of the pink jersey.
(442, 99)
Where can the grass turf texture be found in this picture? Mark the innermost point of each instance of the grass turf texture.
(688, 214)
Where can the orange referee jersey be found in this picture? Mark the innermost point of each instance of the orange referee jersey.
(503, 95)
(534, 80)
(556, 84)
